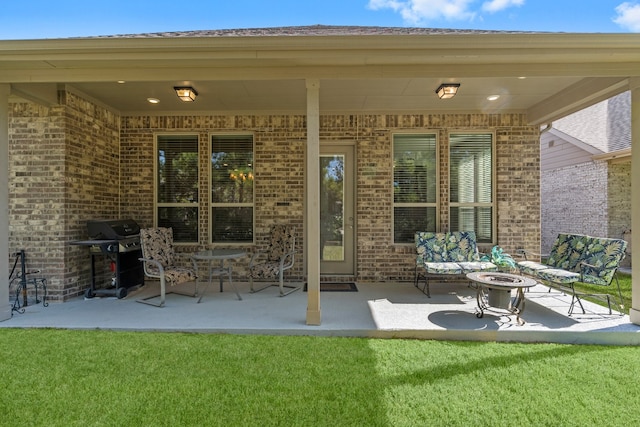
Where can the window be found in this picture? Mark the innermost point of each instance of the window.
(414, 185)
(471, 184)
(232, 188)
(177, 185)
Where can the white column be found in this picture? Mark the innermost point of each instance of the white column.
(313, 202)
(5, 307)
(634, 311)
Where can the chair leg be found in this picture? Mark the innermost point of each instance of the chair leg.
(162, 295)
(253, 290)
(282, 286)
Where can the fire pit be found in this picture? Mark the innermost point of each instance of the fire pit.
(494, 292)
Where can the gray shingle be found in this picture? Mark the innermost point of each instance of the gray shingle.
(313, 30)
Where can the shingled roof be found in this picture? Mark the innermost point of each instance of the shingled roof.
(314, 30)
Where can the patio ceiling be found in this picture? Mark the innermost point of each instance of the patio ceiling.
(545, 75)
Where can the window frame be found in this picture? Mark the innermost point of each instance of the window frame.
(213, 205)
(436, 205)
(156, 204)
(493, 205)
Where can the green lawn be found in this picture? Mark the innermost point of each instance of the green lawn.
(102, 378)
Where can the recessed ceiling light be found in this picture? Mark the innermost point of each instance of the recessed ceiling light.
(153, 100)
(493, 97)
(522, 77)
(121, 81)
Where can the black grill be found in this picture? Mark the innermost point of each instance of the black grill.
(119, 241)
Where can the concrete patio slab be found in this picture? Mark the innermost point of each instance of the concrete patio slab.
(382, 310)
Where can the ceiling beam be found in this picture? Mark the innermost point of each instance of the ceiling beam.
(583, 94)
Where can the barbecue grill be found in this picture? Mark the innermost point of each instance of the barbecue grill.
(119, 241)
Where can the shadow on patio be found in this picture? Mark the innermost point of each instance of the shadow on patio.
(383, 310)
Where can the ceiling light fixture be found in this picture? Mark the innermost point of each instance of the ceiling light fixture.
(186, 94)
(153, 100)
(447, 90)
(493, 97)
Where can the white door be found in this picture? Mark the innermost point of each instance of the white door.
(337, 210)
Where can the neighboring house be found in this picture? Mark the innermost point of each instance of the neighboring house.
(335, 130)
(586, 173)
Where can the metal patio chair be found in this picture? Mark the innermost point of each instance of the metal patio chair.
(160, 262)
(272, 262)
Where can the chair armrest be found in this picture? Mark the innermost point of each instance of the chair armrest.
(523, 253)
(153, 262)
(284, 257)
(255, 256)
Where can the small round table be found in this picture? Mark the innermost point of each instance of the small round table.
(494, 292)
(221, 270)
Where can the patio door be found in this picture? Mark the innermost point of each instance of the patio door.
(337, 209)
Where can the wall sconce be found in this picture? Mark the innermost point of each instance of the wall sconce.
(447, 90)
(186, 94)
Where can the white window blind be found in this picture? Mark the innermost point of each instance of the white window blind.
(177, 185)
(232, 187)
(414, 185)
(471, 184)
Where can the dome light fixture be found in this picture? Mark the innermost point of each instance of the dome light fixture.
(186, 93)
(447, 90)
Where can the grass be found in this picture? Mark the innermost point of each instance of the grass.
(105, 378)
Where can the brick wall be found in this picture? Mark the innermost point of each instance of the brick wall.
(279, 170)
(96, 160)
(619, 194)
(572, 202)
(63, 171)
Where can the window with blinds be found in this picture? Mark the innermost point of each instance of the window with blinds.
(471, 184)
(177, 185)
(232, 188)
(414, 185)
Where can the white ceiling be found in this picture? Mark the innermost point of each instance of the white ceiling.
(357, 73)
(371, 95)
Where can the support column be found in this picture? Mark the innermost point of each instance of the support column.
(313, 202)
(634, 311)
(5, 307)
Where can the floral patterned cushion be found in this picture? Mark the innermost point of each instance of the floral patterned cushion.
(461, 246)
(177, 275)
(567, 251)
(603, 256)
(442, 268)
(281, 242)
(470, 267)
(430, 247)
(457, 246)
(531, 268)
(265, 270)
(570, 252)
(452, 253)
(557, 275)
(157, 244)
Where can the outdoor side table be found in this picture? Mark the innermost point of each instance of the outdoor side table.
(221, 269)
(494, 293)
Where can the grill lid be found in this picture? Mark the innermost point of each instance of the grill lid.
(112, 229)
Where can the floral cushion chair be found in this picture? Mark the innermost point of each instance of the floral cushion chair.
(272, 262)
(448, 255)
(159, 261)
